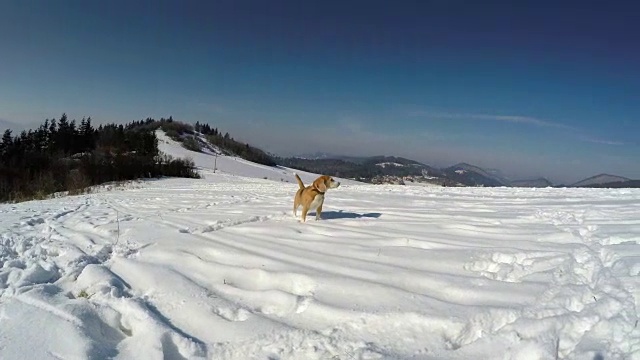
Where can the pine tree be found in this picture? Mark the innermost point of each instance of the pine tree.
(7, 141)
(63, 123)
(53, 128)
(86, 133)
(61, 139)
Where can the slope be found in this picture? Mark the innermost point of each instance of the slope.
(473, 176)
(231, 165)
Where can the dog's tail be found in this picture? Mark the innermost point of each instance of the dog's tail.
(300, 183)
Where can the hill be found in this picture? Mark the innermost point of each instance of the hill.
(211, 160)
(63, 155)
(396, 170)
(471, 175)
(205, 139)
(599, 180)
(375, 169)
(617, 184)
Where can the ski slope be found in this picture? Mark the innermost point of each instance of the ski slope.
(218, 268)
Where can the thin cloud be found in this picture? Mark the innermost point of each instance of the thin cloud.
(601, 141)
(519, 119)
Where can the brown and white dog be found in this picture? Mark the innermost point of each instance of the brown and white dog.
(312, 196)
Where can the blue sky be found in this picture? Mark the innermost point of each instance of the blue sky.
(533, 88)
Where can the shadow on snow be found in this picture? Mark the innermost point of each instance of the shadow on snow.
(331, 215)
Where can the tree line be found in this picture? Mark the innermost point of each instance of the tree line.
(188, 136)
(226, 142)
(63, 155)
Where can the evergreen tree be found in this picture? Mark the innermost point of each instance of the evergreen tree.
(53, 129)
(37, 161)
(7, 142)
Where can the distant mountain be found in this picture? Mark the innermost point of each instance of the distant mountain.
(393, 169)
(472, 175)
(599, 180)
(536, 183)
(472, 168)
(397, 170)
(498, 175)
(619, 184)
(364, 168)
(384, 161)
(317, 156)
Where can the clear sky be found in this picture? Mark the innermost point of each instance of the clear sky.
(535, 88)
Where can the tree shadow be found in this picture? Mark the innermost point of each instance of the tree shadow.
(332, 215)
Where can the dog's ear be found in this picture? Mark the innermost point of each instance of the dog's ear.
(319, 184)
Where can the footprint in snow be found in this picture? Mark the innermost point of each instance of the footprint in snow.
(233, 315)
(513, 267)
(282, 307)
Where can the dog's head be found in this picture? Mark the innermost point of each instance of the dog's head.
(325, 182)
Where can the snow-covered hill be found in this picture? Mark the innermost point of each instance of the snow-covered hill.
(600, 179)
(232, 165)
(472, 175)
(218, 268)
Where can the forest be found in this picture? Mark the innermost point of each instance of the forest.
(64, 155)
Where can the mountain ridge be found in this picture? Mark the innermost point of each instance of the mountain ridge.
(600, 179)
(460, 174)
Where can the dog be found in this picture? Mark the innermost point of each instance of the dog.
(312, 196)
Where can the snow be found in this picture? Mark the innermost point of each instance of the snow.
(234, 166)
(218, 268)
(385, 164)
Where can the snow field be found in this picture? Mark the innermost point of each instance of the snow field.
(218, 268)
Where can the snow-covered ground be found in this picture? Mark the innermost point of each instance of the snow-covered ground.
(218, 268)
(231, 165)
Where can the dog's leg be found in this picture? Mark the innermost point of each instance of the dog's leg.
(305, 209)
(295, 210)
(318, 212)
